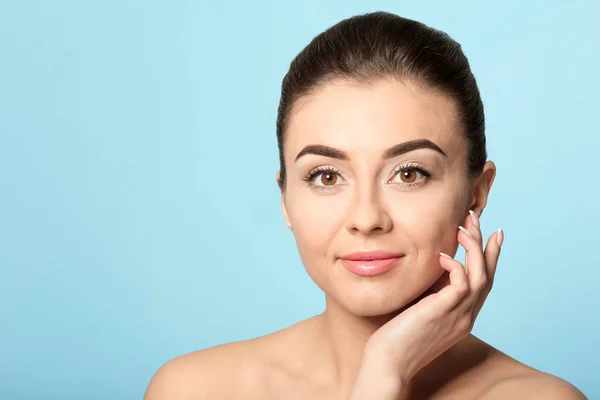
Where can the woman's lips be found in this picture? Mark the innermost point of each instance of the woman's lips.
(371, 263)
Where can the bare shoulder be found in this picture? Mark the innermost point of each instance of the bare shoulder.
(533, 385)
(242, 369)
(224, 371)
(476, 370)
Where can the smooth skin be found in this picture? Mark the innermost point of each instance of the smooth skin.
(404, 334)
(413, 339)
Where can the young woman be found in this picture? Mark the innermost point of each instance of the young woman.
(383, 173)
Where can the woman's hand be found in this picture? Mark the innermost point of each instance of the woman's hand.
(410, 341)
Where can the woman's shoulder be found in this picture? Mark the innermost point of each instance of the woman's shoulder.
(510, 378)
(506, 377)
(474, 369)
(535, 385)
(222, 371)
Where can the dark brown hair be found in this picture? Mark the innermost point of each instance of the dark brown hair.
(369, 47)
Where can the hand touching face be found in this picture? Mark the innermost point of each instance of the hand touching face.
(411, 340)
(378, 168)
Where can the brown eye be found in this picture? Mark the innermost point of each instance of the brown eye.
(324, 178)
(408, 176)
(411, 175)
(328, 178)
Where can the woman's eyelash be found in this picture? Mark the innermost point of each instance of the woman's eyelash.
(319, 170)
(412, 167)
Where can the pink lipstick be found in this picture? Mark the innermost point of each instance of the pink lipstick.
(371, 263)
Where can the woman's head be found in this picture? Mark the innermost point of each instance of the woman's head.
(381, 137)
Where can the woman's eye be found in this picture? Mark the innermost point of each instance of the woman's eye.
(327, 178)
(323, 178)
(410, 175)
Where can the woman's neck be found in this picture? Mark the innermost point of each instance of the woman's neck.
(340, 338)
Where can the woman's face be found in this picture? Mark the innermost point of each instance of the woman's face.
(358, 201)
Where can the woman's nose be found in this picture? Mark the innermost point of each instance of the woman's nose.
(367, 213)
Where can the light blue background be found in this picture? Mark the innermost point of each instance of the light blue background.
(140, 218)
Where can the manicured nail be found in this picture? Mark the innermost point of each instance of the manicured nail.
(500, 237)
(446, 255)
(474, 218)
(465, 230)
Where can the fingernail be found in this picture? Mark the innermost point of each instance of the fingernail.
(500, 237)
(446, 255)
(474, 218)
(465, 230)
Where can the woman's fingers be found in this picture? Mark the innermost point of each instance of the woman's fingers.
(458, 288)
(470, 285)
(491, 254)
(473, 224)
(474, 259)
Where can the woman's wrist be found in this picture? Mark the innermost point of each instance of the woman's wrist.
(376, 383)
(377, 388)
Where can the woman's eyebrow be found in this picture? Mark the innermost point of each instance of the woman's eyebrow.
(394, 151)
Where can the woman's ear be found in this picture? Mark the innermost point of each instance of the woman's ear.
(283, 209)
(278, 180)
(482, 188)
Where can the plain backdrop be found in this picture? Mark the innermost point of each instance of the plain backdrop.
(139, 214)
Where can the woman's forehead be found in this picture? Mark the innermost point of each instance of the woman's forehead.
(376, 117)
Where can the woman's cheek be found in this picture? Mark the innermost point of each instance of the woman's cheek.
(430, 224)
(319, 230)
